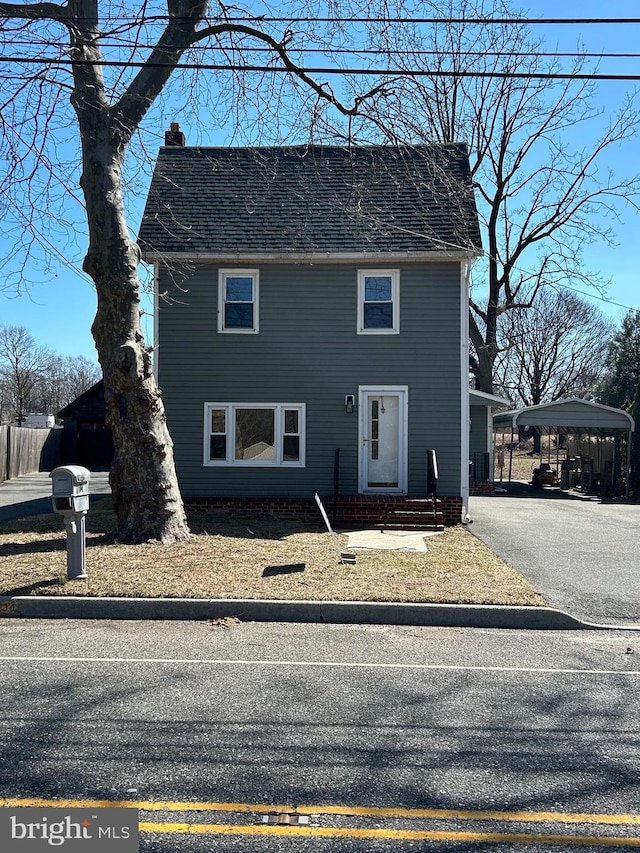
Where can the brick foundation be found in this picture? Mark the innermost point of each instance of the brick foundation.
(451, 510)
(302, 508)
(482, 488)
(349, 508)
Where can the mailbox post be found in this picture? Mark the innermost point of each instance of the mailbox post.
(70, 498)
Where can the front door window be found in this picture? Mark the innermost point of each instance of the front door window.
(383, 442)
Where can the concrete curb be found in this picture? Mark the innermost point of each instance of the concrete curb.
(260, 610)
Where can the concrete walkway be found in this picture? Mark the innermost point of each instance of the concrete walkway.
(581, 554)
(389, 540)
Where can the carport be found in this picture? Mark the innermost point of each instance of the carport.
(587, 436)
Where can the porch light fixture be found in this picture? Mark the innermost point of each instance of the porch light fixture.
(349, 402)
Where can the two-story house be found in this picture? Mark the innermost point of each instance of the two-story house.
(312, 321)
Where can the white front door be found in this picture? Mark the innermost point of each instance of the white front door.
(383, 439)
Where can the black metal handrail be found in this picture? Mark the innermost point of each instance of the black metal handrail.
(336, 480)
(432, 477)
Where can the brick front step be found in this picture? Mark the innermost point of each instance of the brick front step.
(426, 520)
(405, 521)
(397, 512)
(430, 525)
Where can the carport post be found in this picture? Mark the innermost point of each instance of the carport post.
(511, 454)
(628, 472)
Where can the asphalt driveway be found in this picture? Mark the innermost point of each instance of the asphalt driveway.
(582, 555)
(31, 494)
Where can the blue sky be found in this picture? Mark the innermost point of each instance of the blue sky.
(59, 311)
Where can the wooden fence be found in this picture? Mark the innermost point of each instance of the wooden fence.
(24, 450)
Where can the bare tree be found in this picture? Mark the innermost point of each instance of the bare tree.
(541, 199)
(64, 379)
(112, 60)
(556, 348)
(35, 379)
(22, 366)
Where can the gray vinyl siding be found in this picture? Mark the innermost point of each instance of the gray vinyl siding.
(478, 438)
(307, 351)
(478, 434)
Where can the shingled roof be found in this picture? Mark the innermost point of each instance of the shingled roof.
(310, 200)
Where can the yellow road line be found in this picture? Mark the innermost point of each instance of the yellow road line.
(394, 834)
(470, 814)
(345, 811)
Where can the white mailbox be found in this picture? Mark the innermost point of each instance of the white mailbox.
(70, 489)
(70, 498)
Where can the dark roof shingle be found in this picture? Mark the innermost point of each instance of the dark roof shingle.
(310, 199)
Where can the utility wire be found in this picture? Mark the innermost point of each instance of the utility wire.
(262, 19)
(278, 69)
(356, 51)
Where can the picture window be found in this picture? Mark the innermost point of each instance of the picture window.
(254, 434)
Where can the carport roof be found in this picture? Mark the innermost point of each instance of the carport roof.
(570, 415)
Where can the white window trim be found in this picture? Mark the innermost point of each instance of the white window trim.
(230, 461)
(395, 298)
(223, 274)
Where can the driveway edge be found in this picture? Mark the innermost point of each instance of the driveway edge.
(263, 610)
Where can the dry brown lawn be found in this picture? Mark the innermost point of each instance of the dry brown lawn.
(522, 464)
(226, 558)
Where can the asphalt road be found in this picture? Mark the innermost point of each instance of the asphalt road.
(582, 555)
(378, 736)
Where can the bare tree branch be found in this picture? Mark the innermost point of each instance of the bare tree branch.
(34, 11)
(542, 201)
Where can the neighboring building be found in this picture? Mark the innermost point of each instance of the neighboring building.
(86, 439)
(39, 421)
(310, 299)
(481, 458)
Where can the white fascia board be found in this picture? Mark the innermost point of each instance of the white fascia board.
(156, 320)
(309, 257)
(482, 398)
(465, 414)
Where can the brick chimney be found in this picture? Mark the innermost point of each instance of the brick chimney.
(174, 136)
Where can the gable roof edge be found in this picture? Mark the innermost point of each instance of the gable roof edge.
(311, 257)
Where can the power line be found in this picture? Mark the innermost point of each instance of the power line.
(594, 296)
(356, 51)
(364, 72)
(262, 19)
(259, 20)
(441, 20)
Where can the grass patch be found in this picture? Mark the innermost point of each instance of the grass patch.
(226, 558)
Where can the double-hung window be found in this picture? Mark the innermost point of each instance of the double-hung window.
(254, 434)
(378, 302)
(238, 301)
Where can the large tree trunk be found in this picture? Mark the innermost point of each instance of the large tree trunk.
(146, 496)
(485, 356)
(144, 485)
